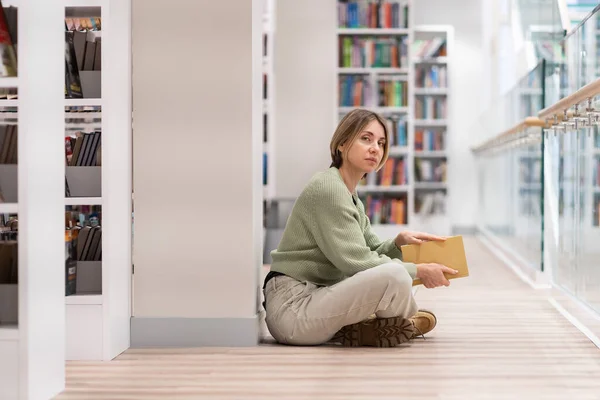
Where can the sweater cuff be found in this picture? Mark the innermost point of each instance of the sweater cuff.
(393, 250)
(411, 268)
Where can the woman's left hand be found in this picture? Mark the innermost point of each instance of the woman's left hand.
(411, 237)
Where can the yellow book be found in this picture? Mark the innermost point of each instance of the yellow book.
(450, 253)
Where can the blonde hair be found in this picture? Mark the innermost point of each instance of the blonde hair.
(348, 130)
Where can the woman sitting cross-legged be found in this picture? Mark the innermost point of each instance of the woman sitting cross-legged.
(332, 279)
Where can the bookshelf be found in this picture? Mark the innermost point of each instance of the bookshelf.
(11, 318)
(374, 72)
(99, 176)
(268, 154)
(32, 309)
(401, 72)
(268, 100)
(93, 322)
(432, 53)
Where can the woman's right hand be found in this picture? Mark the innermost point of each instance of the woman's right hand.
(432, 275)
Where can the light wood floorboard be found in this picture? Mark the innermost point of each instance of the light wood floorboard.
(497, 339)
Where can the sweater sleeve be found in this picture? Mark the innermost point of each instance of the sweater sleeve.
(338, 233)
(387, 247)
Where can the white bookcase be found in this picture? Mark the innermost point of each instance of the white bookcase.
(432, 126)
(32, 310)
(364, 56)
(40, 327)
(374, 71)
(269, 99)
(98, 314)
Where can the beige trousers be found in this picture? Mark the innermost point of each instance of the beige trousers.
(301, 313)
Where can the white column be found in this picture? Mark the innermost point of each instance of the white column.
(305, 66)
(197, 173)
(41, 199)
(116, 176)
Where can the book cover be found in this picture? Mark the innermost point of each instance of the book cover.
(450, 253)
(73, 82)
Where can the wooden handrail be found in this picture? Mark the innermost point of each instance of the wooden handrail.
(588, 91)
(526, 123)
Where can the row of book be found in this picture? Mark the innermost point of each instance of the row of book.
(392, 92)
(82, 215)
(88, 50)
(596, 210)
(373, 14)
(82, 243)
(87, 43)
(394, 172)
(83, 227)
(397, 131)
(265, 42)
(9, 255)
(265, 86)
(431, 203)
(429, 140)
(429, 107)
(384, 210)
(83, 24)
(354, 91)
(86, 243)
(9, 144)
(83, 52)
(265, 127)
(373, 52)
(430, 170)
(84, 149)
(430, 48)
(431, 76)
(357, 91)
(265, 168)
(9, 259)
(9, 93)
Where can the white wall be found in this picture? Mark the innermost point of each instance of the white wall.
(465, 16)
(197, 172)
(304, 65)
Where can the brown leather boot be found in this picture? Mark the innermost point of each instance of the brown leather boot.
(378, 332)
(423, 321)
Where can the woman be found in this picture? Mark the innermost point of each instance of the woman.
(330, 273)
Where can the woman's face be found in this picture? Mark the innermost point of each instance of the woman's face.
(364, 155)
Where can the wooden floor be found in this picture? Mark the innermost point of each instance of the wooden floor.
(496, 339)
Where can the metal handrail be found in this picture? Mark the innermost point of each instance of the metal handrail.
(560, 109)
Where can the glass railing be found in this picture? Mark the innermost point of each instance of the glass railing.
(510, 172)
(540, 185)
(542, 25)
(573, 168)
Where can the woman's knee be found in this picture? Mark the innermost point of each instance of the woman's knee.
(292, 331)
(394, 274)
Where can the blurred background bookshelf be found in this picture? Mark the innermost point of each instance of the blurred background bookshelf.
(374, 72)
(12, 320)
(432, 51)
(268, 171)
(388, 65)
